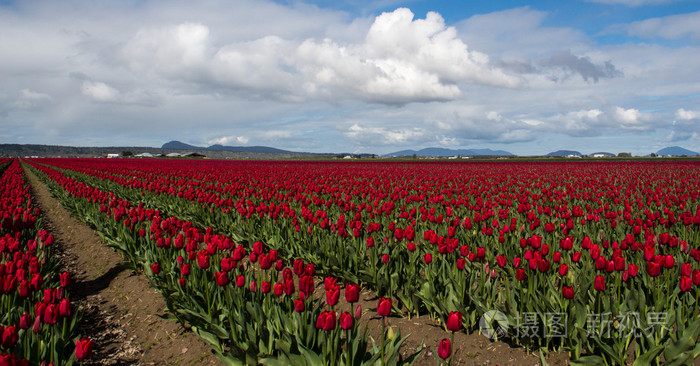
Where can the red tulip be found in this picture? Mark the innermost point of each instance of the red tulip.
(575, 257)
(65, 279)
(36, 327)
(278, 289)
(35, 282)
(384, 306)
(326, 321)
(64, 308)
(370, 242)
(202, 259)
(221, 278)
(520, 274)
(227, 264)
(306, 284)
(7, 359)
(24, 289)
(568, 292)
(48, 296)
(287, 274)
(556, 257)
(266, 287)
(83, 348)
(686, 269)
(428, 258)
(25, 321)
(185, 269)
(329, 283)
(444, 349)
(352, 293)
(310, 269)
(299, 305)
(696, 277)
(501, 260)
(265, 262)
(516, 262)
(346, 320)
(155, 268)
(10, 336)
(653, 269)
(411, 246)
(298, 267)
(257, 248)
(288, 285)
(563, 269)
(669, 261)
(599, 283)
(686, 283)
(385, 258)
(454, 321)
(51, 314)
(240, 281)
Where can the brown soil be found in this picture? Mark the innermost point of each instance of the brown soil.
(120, 307)
(121, 310)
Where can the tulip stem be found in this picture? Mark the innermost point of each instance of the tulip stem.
(383, 338)
(452, 349)
(348, 346)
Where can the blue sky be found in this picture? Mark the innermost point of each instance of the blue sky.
(528, 77)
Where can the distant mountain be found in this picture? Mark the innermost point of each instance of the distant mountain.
(676, 151)
(564, 153)
(437, 151)
(259, 149)
(177, 145)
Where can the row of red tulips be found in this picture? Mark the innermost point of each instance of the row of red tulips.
(38, 320)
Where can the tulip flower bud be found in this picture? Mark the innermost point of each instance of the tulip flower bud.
(444, 349)
(454, 321)
(384, 306)
(83, 348)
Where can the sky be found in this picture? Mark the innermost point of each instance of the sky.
(528, 77)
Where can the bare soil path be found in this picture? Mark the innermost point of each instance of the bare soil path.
(120, 307)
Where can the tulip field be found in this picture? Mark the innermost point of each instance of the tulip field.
(597, 259)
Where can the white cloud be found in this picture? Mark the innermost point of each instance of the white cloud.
(686, 126)
(683, 114)
(99, 92)
(401, 60)
(634, 2)
(30, 99)
(595, 122)
(669, 27)
(228, 140)
(369, 136)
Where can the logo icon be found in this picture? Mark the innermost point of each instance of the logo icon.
(493, 324)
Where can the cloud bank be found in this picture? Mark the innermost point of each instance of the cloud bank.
(307, 78)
